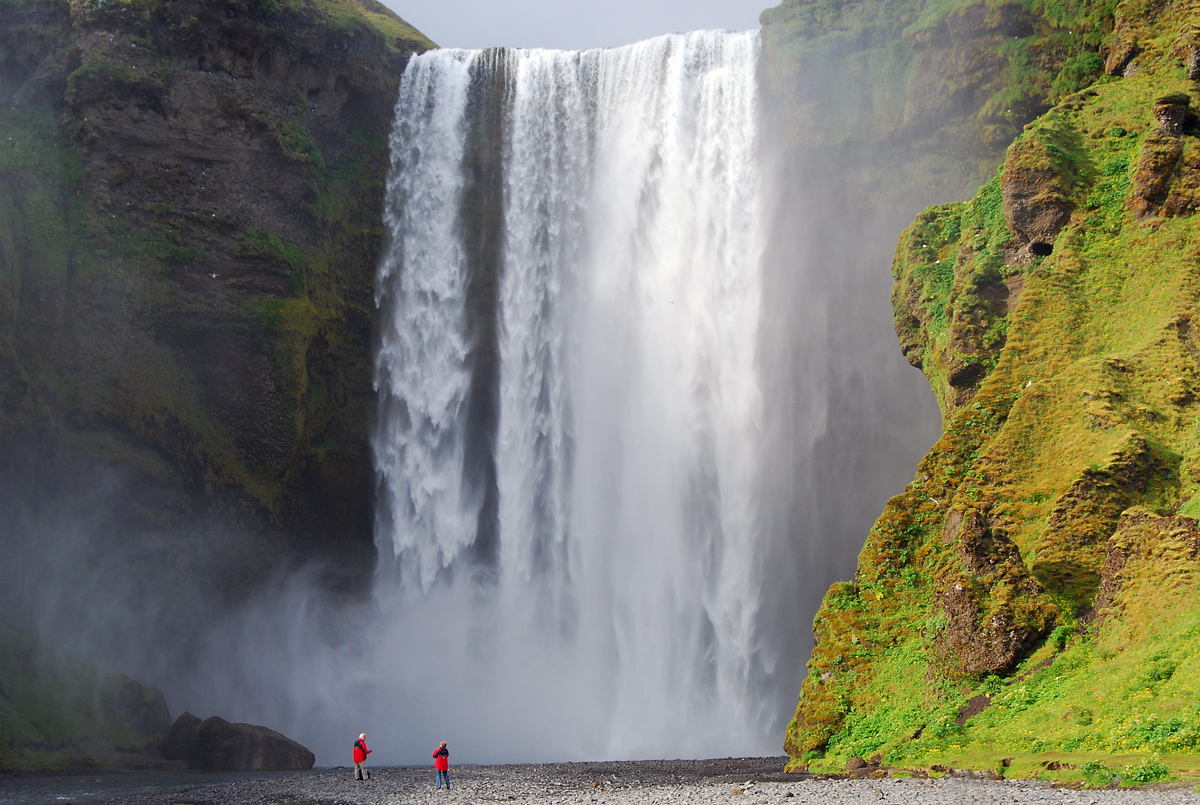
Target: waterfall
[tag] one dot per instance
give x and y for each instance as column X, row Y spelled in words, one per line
column 570, row 401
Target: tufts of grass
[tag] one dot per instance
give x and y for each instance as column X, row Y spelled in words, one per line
column 361, row 15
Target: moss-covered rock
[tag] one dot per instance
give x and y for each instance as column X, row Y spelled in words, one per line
column 1027, row 592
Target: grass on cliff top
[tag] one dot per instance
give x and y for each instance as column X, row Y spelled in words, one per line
column 1094, row 354
column 346, row 15
column 351, row 14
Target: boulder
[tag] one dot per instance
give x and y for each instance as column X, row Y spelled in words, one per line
column 219, row 745
column 1118, row 54
column 1171, row 112
column 179, row 741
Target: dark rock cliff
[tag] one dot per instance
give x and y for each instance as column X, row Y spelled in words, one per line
column 190, row 218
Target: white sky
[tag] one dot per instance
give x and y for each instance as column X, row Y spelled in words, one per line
column 570, row 24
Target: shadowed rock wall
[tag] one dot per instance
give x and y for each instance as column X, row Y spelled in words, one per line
column 190, row 218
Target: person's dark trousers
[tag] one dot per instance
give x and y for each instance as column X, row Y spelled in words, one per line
column 444, row 775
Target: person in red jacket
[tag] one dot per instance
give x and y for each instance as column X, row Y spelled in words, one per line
column 360, row 758
column 441, row 762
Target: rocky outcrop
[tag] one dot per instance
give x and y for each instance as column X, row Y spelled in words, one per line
column 218, row 745
column 1118, row 54
column 1167, row 181
column 143, row 709
column 995, row 610
column 1039, row 181
column 950, row 305
column 1171, row 112
column 179, row 741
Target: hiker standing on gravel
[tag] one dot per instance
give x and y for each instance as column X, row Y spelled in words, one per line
column 360, row 758
column 441, row 762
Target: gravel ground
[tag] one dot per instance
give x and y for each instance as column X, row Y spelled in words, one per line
column 714, row 782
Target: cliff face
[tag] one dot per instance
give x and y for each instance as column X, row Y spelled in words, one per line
column 190, row 217
column 1033, row 588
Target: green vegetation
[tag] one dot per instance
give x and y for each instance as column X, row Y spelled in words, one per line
column 351, row 15
column 56, row 712
column 1027, row 606
column 346, row 16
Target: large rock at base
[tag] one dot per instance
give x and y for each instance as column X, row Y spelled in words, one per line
column 179, row 741
column 218, row 745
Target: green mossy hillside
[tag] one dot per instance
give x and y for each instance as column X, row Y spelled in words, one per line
column 1031, row 596
column 56, row 712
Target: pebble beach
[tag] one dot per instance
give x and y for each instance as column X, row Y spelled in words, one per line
column 709, row 782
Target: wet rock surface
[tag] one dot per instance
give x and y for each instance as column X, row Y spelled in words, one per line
column 745, row 780
column 218, row 745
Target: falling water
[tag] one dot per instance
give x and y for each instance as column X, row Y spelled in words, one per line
column 569, row 399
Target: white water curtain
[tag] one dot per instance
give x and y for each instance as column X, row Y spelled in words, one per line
column 619, row 621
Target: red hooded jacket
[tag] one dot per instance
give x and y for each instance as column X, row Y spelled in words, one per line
column 441, row 759
column 361, row 751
